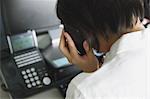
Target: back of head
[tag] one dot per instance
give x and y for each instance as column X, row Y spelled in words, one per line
column 100, row 17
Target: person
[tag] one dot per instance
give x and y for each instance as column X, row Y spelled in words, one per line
column 124, row 72
column 146, row 20
column 147, row 9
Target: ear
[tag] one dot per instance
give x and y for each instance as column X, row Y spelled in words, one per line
column 103, row 44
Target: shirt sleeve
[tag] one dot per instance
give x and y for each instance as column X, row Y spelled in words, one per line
column 73, row 92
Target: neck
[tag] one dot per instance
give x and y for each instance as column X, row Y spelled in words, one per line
column 137, row 27
column 113, row 38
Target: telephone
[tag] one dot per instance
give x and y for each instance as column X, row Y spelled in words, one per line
column 77, row 37
column 25, row 72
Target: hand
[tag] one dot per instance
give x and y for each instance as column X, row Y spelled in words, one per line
column 87, row 63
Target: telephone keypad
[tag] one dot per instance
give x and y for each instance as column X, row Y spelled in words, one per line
column 35, row 77
column 31, row 78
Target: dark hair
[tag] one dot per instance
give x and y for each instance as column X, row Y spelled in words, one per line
column 99, row 16
column 147, row 9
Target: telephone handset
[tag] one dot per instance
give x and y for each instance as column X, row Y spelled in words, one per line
column 25, row 73
column 77, row 37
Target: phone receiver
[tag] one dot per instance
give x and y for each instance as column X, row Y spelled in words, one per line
column 77, row 37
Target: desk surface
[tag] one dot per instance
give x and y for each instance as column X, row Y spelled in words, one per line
column 49, row 94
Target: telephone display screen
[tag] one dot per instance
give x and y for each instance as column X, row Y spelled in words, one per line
column 22, row 41
column 61, row 62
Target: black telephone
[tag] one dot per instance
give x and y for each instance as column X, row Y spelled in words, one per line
column 25, row 72
column 77, row 37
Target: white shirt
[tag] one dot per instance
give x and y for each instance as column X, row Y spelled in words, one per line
column 125, row 73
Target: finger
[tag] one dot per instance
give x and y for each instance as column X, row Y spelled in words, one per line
column 62, row 46
column 62, row 40
column 71, row 45
column 87, row 48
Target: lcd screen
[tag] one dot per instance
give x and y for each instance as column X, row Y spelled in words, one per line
column 61, row 62
column 22, row 41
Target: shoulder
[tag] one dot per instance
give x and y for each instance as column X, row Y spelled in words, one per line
column 74, row 89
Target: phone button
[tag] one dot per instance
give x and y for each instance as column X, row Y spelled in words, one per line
column 34, row 73
column 46, row 80
column 32, row 69
column 27, row 81
column 28, row 71
column 31, row 79
column 23, row 72
column 38, row 82
column 33, row 84
column 30, row 75
column 29, row 85
column 36, row 78
column 25, row 76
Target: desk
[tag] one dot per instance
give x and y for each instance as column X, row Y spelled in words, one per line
column 49, row 94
